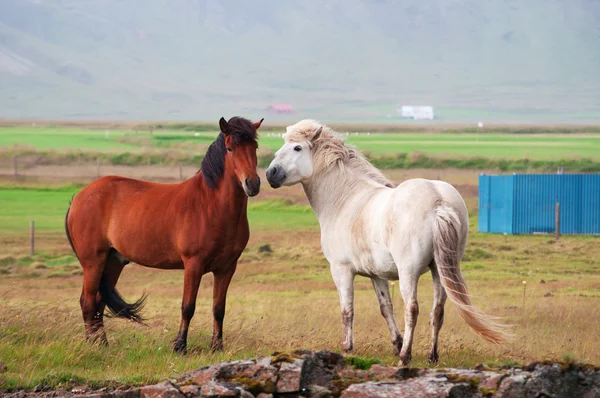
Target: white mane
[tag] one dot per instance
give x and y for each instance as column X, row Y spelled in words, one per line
column 329, row 150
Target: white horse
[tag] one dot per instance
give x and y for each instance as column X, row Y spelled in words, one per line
column 373, row 229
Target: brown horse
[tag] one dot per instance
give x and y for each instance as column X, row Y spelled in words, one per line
column 199, row 225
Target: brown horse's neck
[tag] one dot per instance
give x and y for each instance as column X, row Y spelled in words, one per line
column 228, row 188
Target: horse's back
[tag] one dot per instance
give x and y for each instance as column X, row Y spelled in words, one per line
column 124, row 214
column 424, row 195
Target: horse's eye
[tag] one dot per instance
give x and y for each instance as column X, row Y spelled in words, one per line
column 297, row 148
column 229, row 150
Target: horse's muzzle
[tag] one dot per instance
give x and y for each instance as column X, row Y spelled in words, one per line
column 276, row 176
column 252, row 186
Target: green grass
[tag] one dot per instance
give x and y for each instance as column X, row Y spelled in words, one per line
column 451, row 144
column 45, row 138
column 509, row 146
column 48, row 206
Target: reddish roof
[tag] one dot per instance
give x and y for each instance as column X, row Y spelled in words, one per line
column 282, row 107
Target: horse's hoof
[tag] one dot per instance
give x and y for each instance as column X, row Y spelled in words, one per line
column 98, row 338
column 216, row 346
column 180, row 347
column 404, row 360
column 433, row 358
column 397, row 346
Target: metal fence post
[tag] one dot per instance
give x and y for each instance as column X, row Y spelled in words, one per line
column 31, row 237
column 557, row 220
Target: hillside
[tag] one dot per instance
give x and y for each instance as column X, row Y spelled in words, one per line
column 334, row 59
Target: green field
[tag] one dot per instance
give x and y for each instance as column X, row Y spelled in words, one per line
column 448, row 145
column 48, row 206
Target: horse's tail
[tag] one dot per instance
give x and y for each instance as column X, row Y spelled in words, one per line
column 446, row 252
column 67, row 230
column 113, row 300
column 117, row 306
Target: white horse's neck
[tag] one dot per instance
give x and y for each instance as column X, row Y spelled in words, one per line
column 330, row 191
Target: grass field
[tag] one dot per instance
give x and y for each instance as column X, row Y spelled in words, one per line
column 450, row 144
column 50, row 204
column 279, row 300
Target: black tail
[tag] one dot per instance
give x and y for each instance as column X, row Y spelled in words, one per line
column 119, row 307
column 67, row 231
column 116, row 305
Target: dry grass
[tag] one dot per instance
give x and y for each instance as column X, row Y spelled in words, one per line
column 286, row 300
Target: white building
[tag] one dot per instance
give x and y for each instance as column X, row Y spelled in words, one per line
column 419, row 112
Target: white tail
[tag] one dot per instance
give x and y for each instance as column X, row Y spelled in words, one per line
column 446, row 240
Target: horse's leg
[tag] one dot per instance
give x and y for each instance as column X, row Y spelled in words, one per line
column 92, row 317
column 112, row 271
column 387, row 310
column 437, row 313
column 193, row 271
column 221, row 284
column 408, row 287
column 344, row 282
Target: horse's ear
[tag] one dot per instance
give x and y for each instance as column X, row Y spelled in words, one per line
column 317, row 133
column 257, row 124
column 223, row 125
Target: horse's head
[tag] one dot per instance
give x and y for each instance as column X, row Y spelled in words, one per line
column 293, row 162
column 240, row 157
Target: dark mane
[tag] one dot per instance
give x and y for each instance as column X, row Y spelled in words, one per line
column 213, row 164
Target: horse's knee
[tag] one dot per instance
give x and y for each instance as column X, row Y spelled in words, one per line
column 187, row 310
column 412, row 309
column 219, row 313
column 386, row 309
column 437, row 315
column 347, row 316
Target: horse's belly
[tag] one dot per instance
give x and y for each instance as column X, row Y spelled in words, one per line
column 375, row 263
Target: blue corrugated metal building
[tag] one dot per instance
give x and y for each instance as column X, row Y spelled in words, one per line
column 525, row 203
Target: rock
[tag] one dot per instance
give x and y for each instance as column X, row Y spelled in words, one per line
column 245, row 394
column 79, row 389
column 190, row 390
column 511, row 386
column 325, row 374
column 162, row 390
column 132, row 393
column 265, row 249
column 289, row 377
column 384, row 372
column 315, row 391
column 214, row 389
column 417, row 387
column 201, row 376
column 319, row 369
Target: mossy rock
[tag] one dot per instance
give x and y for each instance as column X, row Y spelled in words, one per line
column 255, row 386
column 284, row 357
column 456, row 378
column 487, row 392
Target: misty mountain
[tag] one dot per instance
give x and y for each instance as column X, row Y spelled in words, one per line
column 330, row 59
